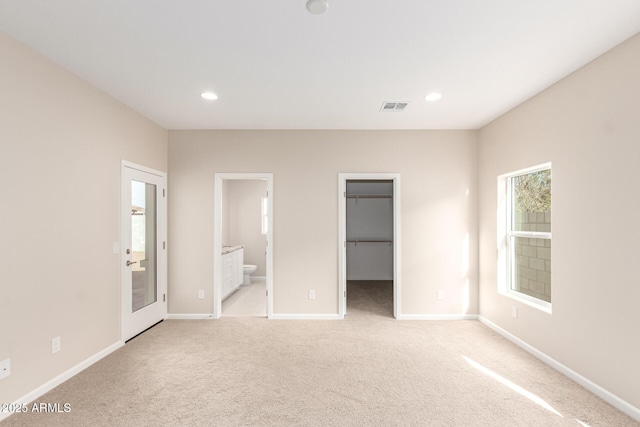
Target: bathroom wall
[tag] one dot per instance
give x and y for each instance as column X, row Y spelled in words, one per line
column 226, row 207
column 244, row 222
column 438, row 203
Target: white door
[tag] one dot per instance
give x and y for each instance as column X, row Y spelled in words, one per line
column 143, row 249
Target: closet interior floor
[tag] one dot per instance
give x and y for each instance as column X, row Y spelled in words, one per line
column 369, row 297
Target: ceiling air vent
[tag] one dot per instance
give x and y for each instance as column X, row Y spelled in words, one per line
column 394, row 106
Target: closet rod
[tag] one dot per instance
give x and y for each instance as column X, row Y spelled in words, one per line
column 369, row 196
column 356, row 241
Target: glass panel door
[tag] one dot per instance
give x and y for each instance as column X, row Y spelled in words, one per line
column 144, row 286
column 144, row 266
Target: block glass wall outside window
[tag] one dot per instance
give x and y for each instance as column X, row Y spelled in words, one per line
column 529, row 234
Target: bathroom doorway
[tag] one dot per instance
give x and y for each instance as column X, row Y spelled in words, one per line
column 243, row 240
column 369, row 250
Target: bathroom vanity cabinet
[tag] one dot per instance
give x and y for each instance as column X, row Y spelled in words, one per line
column 232, row 269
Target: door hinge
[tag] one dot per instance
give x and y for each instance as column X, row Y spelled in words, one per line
column 344, row 194
column 345, row 294
column 164, row 297
column 163, row 193
column 267, row 292
column 164, row 245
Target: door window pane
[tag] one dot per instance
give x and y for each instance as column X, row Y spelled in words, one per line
column 143, row 245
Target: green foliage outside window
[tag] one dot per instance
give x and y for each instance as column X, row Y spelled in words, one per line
column 532, row 192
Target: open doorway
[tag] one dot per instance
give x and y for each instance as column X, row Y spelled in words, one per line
column 369, row 227
column 243, row 242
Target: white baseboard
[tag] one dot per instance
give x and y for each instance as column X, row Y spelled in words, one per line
column 304, row 317
column 437, row 317
column 594, row 388
column 197, row 316
column 50, row 385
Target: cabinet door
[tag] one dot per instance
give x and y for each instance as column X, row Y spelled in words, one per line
column 227, row 274
column 240, row 267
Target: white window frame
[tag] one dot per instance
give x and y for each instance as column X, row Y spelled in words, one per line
column 508, row 234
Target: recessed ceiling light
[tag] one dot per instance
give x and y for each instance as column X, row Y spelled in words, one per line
column 433, row 96
column 209, row 95
column 317, row 7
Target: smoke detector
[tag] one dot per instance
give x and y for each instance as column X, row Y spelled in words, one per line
column 317, row 7
column 393, row 107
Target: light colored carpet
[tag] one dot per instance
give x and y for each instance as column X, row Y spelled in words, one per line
column 368, row 370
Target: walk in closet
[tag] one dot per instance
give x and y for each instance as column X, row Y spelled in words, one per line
column 369, row 229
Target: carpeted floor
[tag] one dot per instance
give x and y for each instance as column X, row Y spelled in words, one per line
column 368, row 370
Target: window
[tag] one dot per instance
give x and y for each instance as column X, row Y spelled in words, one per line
column 528, row 234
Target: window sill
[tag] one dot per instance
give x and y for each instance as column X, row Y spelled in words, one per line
column 530, row 301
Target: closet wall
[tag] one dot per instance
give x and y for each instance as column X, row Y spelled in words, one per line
column 370, row 230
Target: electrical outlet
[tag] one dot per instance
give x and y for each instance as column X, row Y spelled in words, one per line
column 440, row 295
column 514, row 312
column 201, row 294
column 312, row 294
column 56, row 345
column 5, row 368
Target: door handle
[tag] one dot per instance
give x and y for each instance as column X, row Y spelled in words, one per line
column 130, row 263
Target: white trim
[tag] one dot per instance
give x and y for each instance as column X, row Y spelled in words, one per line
column 528, row 300
column 438, row 317
column 594, row 388
column 66, row 375
column 131, row 165
column 190, row 316
column 305, row 317
column 528, row 170
column 342, row 237
column 217, row 238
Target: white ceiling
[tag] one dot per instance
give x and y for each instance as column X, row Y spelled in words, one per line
column 276, row 66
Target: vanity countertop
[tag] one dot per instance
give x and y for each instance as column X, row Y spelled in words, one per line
column 229, row 249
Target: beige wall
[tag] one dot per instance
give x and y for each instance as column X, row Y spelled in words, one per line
column 61, row 143
column 588, row 126
column 438, row 202
column 245, row 216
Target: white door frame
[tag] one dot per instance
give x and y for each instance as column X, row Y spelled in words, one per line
column 342, row 237
column 217, row 238
column 161, row 225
